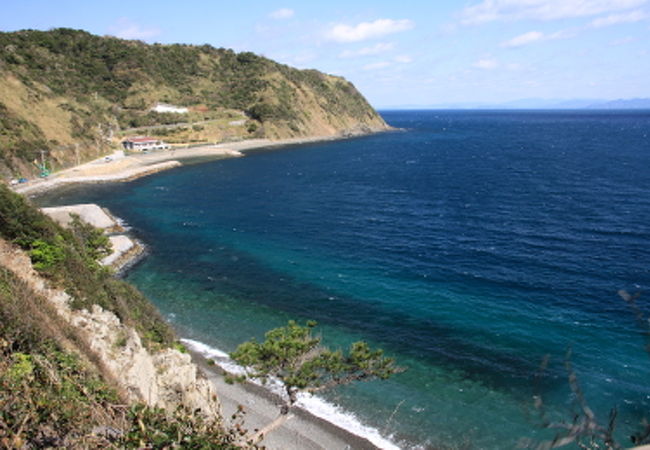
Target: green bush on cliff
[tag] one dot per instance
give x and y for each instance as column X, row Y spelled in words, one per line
column 96, row 244
column 48, row 396
column 46, row 256
column 181, row 429
column 68, row 257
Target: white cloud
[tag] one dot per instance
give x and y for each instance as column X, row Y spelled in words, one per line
column 127, row 29
column 368, row 30
column 282, row 13
column 615, row 19
column 536, row 36
column 486, row 64
column 376, row 49
column 509, row 10
column 524, row 39
column 377, row 65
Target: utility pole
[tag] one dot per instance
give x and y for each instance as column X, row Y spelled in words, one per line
column 44, row 170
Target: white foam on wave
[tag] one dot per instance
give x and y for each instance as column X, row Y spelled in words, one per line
column 314, row 404
column 122, row 223
column 205, row 350
column 344, row 419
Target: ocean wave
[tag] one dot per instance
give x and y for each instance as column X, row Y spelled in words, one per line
column 311, row 403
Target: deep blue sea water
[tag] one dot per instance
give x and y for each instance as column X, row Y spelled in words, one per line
column 468, row 246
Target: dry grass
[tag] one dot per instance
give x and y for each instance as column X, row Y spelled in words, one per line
column 49, row 396
column 52, row 395
column 42, row 109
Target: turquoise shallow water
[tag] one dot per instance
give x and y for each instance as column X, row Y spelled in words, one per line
column 469, row 246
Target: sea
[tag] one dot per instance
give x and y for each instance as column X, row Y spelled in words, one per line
column 483, row 250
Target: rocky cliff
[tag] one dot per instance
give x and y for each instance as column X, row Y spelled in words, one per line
column 166, row 379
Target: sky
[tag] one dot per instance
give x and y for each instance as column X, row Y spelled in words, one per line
column 398, row 53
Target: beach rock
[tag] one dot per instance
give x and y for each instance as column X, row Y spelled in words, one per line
column 122, row 245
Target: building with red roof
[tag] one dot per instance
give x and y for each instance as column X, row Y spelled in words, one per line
column 142, row 143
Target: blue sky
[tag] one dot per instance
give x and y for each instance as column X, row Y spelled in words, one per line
column 399, row 53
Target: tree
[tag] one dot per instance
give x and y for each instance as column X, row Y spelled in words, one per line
column 293, row 355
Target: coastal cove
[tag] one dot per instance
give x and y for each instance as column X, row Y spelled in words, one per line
column 468, row 247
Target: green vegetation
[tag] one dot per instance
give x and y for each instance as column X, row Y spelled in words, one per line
column 294, row 356
column 182, row 429
column 64, row 87
column 19, row 136
column 54, row 392
column 52, row 398
column 68, row 257
column 48, row 396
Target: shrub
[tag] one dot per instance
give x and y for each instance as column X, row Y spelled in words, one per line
column 45, row 255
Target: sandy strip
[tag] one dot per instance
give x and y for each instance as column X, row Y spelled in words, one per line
column 82, row 176
column 137, row 165
column 302, row 431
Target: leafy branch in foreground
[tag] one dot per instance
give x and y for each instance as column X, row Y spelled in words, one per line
column 293, row 355
column 584, row 429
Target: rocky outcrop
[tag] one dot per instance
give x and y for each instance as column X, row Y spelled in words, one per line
column 166, row 379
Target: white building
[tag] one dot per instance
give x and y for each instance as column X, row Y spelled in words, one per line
column 165, row 108
column 144, row 143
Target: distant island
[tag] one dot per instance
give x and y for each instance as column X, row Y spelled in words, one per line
column 538, row 103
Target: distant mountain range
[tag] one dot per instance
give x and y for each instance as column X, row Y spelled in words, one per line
column 536, row 103
column 634, row 103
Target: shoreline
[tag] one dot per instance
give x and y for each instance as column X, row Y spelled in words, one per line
column 112, row 168
column 333, row 428
column 304, row 430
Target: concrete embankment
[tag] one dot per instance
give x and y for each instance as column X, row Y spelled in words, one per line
column 125, row 248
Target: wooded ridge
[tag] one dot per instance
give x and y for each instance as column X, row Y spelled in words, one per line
column 75, row 95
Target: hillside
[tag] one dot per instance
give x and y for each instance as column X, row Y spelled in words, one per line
column 75, row 95
column 85, row 360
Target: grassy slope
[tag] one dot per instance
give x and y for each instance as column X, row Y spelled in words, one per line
column 53, row 390
column 71, row 93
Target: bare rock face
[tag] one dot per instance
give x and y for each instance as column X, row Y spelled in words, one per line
column 179, row 382
column 166, row 379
